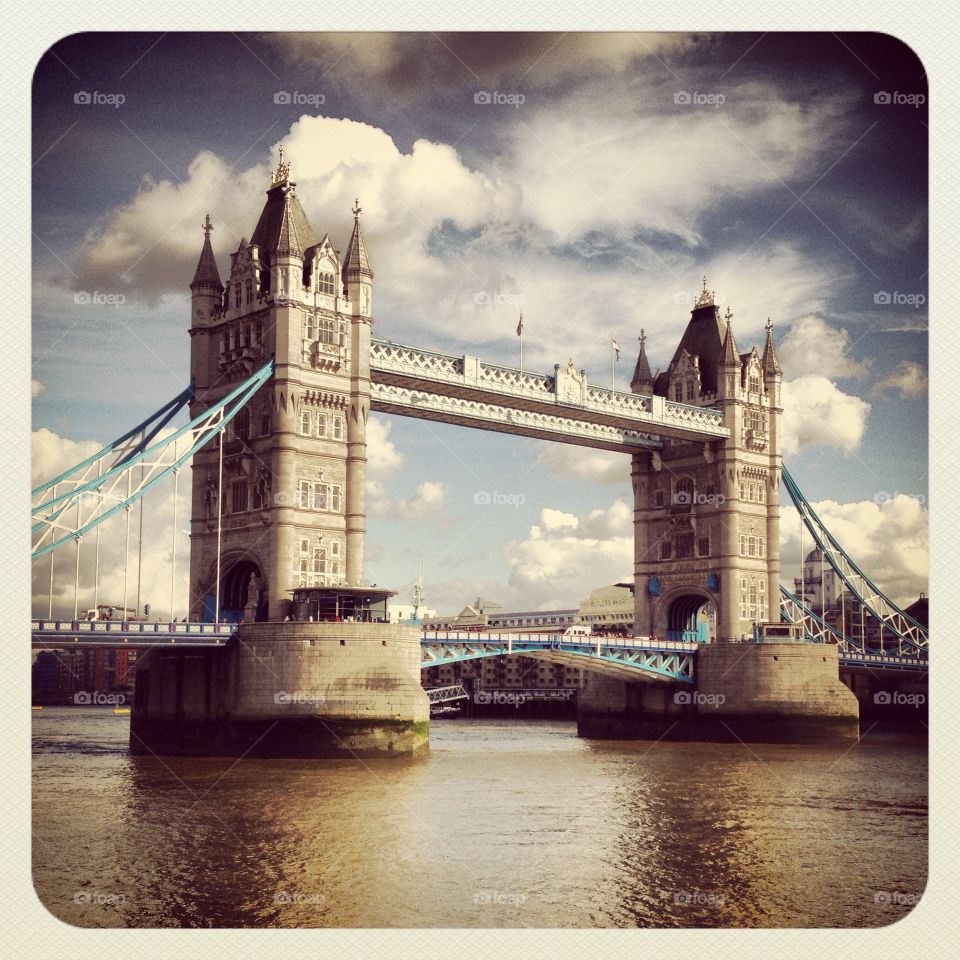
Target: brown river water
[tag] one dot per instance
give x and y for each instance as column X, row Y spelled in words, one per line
column 506, row 824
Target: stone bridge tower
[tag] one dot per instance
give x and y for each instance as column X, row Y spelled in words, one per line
column 294, row 460
column 706, row 515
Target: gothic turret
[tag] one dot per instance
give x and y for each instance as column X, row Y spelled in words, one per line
column 206, row 288
column 357, row 275
column 642, row 381
column 771, row 362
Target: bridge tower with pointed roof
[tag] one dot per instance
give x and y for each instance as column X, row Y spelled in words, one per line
column 706, row 514
column 290, row 509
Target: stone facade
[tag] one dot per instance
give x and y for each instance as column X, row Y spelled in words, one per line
column 293, row 462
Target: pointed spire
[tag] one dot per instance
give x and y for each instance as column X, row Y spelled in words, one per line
column 356, row 263
column 283, row 229
column 771, row 362
column 207, row 272
column 642, row 381
column 728, row 355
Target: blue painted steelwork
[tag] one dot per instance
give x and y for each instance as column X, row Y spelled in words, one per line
column 905, row 628
column 128, row 633
column 667, row 660
column 851, row 653
column 202, row 429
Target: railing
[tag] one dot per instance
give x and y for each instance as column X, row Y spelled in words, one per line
column 130, row 632
column 540, row 639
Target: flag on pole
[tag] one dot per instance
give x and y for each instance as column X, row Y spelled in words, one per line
column 520, row 325
column 616, row 347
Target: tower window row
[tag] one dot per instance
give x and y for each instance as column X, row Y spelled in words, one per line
column 319, row 495
column 316, row 423
column 751, row 546
column 319, row 563
column 753, row 599
column 753, row 491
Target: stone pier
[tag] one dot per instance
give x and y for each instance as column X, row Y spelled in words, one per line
column 286, row 689
column 761, row 693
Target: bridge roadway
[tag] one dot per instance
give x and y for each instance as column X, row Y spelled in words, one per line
column 661, row 660
column 409, row 381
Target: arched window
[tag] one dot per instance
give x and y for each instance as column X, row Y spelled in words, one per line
column 327, row 283
column 683, row 492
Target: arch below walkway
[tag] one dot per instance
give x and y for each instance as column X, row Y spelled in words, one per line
column 690, row 616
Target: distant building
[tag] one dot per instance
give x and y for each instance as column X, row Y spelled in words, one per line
column 400, row 612
column 609, row 609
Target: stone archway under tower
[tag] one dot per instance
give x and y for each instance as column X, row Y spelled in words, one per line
column 687, row 615
column 243, row 592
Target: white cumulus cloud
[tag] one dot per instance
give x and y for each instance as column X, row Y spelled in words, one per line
column 816, row 412
column 907, row 379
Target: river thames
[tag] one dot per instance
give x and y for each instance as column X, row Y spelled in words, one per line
column 505, row 824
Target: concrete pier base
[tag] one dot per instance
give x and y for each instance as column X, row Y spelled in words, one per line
column 760, row 693
column 286, row 690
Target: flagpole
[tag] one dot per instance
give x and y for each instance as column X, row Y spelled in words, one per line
column 521, row 349
column 613, row 369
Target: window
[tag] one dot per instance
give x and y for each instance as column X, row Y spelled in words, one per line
column 249, row 286
column 265, row 421
column 305, row 422
column 665, row 550
column 241, row 425
column 236, row 295
column 744, row 599
column 319, row 496
column 326, row 283
column 327, row 330
column 684, row 545
column 231, row 339
column 321, row 425
column 683, row 493
column 703, row 546
column 303, row 498
column 335, row 497
column 690, row 391
column 257, row 497
column 755, row 384
column 338, row 428
column 223, row 343
column 308, row 328
column 658, row 497
column 238, row 496
column 247, row 336
column 678, row 392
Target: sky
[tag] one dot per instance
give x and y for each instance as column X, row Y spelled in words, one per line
column 589, row 180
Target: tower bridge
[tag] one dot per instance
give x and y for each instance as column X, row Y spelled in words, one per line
column 285, row 371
